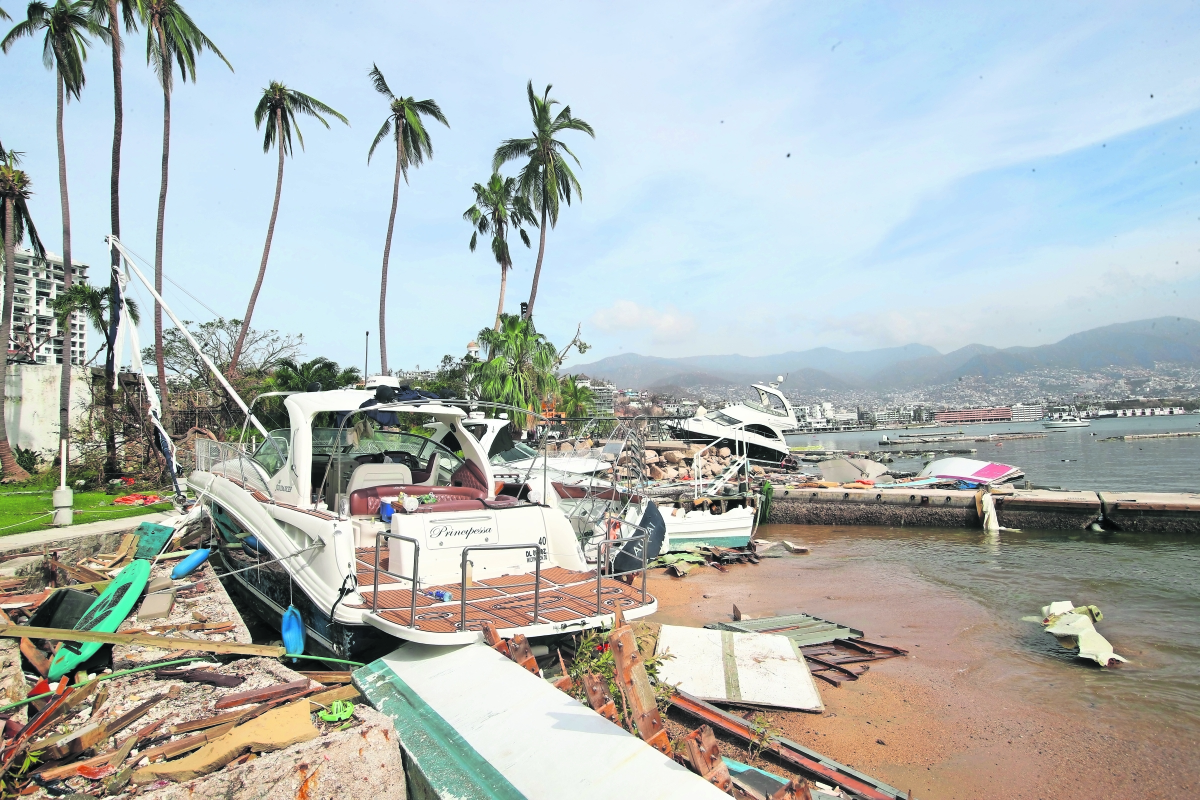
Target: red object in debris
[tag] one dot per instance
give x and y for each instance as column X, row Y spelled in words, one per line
column 138, row 500
column 41, row 687
column 127, row 481
column 96, row 773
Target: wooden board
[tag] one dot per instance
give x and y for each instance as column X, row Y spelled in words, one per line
column 145, row 639
column 752, row 668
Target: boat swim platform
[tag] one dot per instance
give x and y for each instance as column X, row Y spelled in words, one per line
column 1035, row 509
column 472, row 725
column 564, row 598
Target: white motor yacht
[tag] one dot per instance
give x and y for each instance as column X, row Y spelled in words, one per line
column 1066, row 421
column 756, row 429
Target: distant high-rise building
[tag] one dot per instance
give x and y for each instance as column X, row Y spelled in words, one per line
column 35, row 337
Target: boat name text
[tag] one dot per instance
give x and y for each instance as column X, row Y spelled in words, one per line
column 454, row 532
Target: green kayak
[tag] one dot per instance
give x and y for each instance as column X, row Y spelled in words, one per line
column 104, row 615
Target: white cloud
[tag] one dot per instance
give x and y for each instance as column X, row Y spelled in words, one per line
column 625, row 317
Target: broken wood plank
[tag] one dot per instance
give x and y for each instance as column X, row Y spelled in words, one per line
column 327, row 677
column 261, row 695
column 79, row 573
column 94, row 733
column 210, row 722
column 39, row 660
column 208, row 676
column 172, row 749
column 144, row 639
column 326, row 699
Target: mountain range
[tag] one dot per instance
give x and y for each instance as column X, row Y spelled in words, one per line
column 1127, row 344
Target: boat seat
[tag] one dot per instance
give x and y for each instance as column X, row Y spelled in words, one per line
column 463, row 505
column 367, row 475
column 365, row 501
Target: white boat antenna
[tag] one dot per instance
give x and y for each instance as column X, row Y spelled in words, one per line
column 129, row 262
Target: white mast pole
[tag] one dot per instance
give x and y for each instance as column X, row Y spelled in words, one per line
column 129, row 262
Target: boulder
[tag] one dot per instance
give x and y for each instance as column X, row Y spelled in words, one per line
column 566, row 447
column 757, row 470
column 724, row 452
column 656, row 474
column 651, row 454
column 670, row 473
column 672, row 457
column 551, row 447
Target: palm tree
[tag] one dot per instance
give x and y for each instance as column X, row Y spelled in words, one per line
column 291, row 376
column 64, row 48
column 546, row 178
column 15, row 188
column 278, row 108
column 171, row 36
column 498, row 206
column 111, row 13
column 519, row 370
column 94, row 304
column 413, row 146
column 575, row 399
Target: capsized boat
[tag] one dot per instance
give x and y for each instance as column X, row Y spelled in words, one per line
column 971, row 470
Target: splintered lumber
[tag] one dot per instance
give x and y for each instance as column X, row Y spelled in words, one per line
column 36, row 657
column 93, row 733
column 144, row 639
column 208, row 676
column 327, row 677
column 704, row 756
column 172, row 749
column 635, row 686
column 261, row 695
column 80, row 573
column 210, row 722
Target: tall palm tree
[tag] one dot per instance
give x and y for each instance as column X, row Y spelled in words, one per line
column 519, row 370
column 498, row 206
column 413, row 146
column 94, row 304
column 546, row 178
column 171, row 36
column 66, row 26
column 15, row 188
column 111, row 14
column 278, row 108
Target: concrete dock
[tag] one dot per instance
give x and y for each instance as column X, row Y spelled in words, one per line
column 1039, row 509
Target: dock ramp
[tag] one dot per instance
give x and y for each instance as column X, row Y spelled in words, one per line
column 474, row 725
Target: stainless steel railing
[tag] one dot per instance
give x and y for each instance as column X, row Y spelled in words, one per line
column 412, row 579
column 537, row 577
column 602, row 560
column 230, row 461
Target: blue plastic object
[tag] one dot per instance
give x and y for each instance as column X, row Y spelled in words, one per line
column 185, row 567
column 386, row 511
column 293, row 632
column 251, row 546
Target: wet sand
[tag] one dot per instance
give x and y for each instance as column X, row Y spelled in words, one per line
column 960, row 717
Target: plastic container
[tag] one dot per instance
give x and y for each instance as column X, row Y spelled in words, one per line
column 293, row 632
column 386, row 511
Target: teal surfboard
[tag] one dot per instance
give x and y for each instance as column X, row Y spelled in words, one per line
column 104, row 615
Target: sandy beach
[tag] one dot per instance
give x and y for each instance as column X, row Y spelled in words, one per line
column 960, row 717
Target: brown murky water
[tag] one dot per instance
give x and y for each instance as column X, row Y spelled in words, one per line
column 987, row 705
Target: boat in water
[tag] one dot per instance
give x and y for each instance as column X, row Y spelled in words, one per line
column 748, row 428
column 1066, row 421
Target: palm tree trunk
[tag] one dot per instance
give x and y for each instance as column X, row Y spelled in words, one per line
column 12, row 470
column 262, row 267
column 537, row 271
column 387, row 250
column 114, row 210
column 64, row 386
column 158, row 234
column 503, row 281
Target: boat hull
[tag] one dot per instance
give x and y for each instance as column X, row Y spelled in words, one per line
column 731, row 529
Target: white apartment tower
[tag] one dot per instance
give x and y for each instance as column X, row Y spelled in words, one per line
column 35, row 336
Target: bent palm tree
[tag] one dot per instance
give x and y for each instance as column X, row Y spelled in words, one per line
column 64, row 49
column 111, row 13
column 413, row 146
column 94, row 304
column 546, row 178
column 278, row 108
column 575, row 399
column 15, row 188
column 171, row 36
column 520, row 368
column 498, row 207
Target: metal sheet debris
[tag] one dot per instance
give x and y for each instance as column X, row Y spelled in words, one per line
column 1074, row 627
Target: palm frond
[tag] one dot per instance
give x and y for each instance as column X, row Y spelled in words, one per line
column 379, row 137
column 380, row 84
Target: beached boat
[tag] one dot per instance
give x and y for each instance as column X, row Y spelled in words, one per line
column 756, row 429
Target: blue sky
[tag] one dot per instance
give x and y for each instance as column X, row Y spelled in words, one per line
column 996, row 173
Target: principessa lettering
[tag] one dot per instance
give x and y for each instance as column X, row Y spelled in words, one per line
column 455, row 532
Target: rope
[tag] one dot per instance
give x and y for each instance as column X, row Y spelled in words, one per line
column 272, row 561
column 322, row 658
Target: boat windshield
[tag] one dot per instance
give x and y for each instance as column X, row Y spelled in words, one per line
column 723, row 419
column 338, row 452
column 273, row 452
column 518, row 452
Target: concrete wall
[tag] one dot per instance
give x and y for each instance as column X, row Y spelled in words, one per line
column 31, row 413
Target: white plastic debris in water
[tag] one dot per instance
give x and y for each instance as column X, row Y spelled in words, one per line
column 1075, row 627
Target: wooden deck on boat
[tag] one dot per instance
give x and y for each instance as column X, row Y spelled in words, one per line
column 506, row 602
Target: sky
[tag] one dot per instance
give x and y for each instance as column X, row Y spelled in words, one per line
column 765, row 176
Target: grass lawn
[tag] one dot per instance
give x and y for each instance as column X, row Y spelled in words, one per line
column 20, row 513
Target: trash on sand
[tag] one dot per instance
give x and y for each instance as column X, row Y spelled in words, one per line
column 982, row 473
column 759, row 784
column 1074, row 627
column 795, row 548
column 749, row 668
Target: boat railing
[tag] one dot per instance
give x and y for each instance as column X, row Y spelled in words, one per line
column 602, row 557
column 231, row 461
column 412, row 579
column 539, row 554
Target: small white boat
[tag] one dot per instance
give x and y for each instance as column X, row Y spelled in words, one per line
column 1066, row 421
